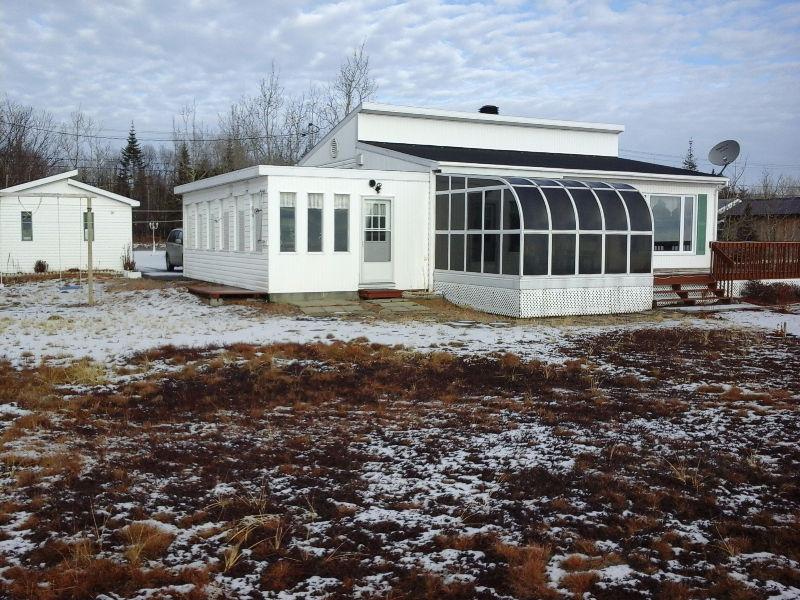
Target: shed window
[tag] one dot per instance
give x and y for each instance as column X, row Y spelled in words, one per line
column 314, row 230
column 341, row 223
column 26, row 217
column 288, row 221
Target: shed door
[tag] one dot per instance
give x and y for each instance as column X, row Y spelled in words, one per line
column 376, row 239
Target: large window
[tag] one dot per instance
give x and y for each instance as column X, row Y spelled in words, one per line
column 341, row 223
column 534, row 227
column 673, row 222
column 288, row 221
column 27, row 225
column 315, row 222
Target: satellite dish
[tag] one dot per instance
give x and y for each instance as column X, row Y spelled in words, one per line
column 724, row 154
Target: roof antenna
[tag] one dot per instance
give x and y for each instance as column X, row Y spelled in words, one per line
column 724, row 154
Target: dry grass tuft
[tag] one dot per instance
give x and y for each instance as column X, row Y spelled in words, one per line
column 145, row 541
column 526, row 575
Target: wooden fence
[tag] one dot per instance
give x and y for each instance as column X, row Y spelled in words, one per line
column 743, row 261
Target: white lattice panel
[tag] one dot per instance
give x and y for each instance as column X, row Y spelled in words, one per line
column 498, row 301
column 548, row 302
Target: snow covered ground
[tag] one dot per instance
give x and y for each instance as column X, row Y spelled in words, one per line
column 147, row 260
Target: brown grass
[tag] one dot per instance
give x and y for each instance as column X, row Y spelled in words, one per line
column 145, row 541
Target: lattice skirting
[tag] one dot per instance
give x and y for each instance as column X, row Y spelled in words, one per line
column 738, row 286
column 548, row 302
column 700, row 294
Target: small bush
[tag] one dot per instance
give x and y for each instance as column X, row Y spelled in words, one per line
column 41, row 266
column 128, row 263
column 771, row 293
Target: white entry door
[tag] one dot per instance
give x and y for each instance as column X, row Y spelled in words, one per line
column 376, row 243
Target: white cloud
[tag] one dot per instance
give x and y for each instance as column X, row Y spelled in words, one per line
column 667, row 70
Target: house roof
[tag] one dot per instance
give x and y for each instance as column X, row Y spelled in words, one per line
column 68, row 175
column 789, row 206
column 549, row 160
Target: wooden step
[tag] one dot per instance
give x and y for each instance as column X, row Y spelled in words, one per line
column 378, row 294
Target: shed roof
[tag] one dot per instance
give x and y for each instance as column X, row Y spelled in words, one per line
column 789, row 206
column 28, row 187
column 550, row 160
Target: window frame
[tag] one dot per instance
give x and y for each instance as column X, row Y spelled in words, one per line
column 285, row 197
column 342, row 199
column 682, row 216
column 314, row 196
column 22, row 224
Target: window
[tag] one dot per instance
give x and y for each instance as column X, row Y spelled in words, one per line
column 315, row 222
column 590, row 256
column 561, row 211
column 226, row 230
column 491, row 253
column 640, row 253
column 535, row 257
column 474, row 252
column 491, row 209
column 510, row 254
column 563, row 260
column 613, row 210
column 673, row 223
column 474, row 206
column 457, row 211
column 442, row 212
column 441, row 251
column 588, row 211
column 287, row 222
column 240, row 230
column 457, row 252
column 341, row 223
column 534, row 213
column 88, row 219
column 510, row 211
column 27, row 225
column 616, row 253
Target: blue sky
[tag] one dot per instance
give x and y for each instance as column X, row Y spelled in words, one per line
column 668, row 71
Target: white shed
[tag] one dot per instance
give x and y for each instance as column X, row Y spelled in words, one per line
column 46, row 220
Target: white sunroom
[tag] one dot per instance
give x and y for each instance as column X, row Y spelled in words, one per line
column 541, row 247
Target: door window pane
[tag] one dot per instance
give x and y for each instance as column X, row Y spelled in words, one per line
column 534, row 213
column 511, row 253
column 641, row 254
column 688, row 223
column 341, row 223
column 474, row 209
column 442, row 212
column 491, row 209
column 457, row 211
column 535, row 254
column 563, row 254
column 457, row 252
column 440, row 258
column 666, row 222
column 561, row 212
column 588, row 210
column 616, row 253
column 590, row 256
column 613, row 210
column 510, row 211
column 474, row 253
column 491, row 253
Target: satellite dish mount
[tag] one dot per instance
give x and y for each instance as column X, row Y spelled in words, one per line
column 724, row 154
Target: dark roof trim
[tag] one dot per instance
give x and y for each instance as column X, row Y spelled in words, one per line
column 548, row 160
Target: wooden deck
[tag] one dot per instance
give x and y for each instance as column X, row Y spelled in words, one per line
column 221, row 292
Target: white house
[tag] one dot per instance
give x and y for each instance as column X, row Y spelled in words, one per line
column 47, row 220
column 516, row 216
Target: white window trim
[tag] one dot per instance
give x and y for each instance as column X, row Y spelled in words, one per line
column 683, row 197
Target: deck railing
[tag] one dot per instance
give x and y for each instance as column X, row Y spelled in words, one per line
column 738, row 261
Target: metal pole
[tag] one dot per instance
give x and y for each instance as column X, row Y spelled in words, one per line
column 89, row 236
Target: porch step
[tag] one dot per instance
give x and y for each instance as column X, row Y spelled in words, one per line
column 379, row 294
column 686, row 290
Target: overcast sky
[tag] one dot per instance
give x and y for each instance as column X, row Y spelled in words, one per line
column 667, row 70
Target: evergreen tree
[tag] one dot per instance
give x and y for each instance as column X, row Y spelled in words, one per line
column 183, row 170
column 689, row 161
column 130, row 170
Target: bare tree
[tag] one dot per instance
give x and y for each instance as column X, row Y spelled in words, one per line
column 352, row 85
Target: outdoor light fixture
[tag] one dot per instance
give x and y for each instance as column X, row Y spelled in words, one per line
column 375, row 185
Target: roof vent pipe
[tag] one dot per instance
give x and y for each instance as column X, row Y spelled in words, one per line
column 489, row 109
